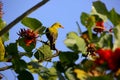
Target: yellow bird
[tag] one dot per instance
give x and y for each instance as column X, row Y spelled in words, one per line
column 52, row 34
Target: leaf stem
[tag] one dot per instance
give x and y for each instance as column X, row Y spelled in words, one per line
column 9, row 26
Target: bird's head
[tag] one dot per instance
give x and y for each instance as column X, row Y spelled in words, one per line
column 58, row 25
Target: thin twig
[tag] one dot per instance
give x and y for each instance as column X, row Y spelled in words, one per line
column 43, row 42
column 9, row 26
column 5, row 68
column 79, row 29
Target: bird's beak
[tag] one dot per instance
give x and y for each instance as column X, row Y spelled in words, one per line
column 62, row 27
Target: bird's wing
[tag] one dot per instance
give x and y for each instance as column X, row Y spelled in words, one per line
column 51, row 35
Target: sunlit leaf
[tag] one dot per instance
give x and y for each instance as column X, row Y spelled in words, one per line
column 40, row 78
column 87, row 20
column 100, row 7
column 49, row 74
column 43, row 52
column 81, row 75
column 106, row 41
column 2, row 23
column 53, row 74
column 5, row 37
column 70, row 74
column 114, row 17
column 102, row 16
column 75, row 42
column 31, row 23
column 2, row 50
column 25, row 75
column 68, row 58
column 117, row 37
column 52, row 71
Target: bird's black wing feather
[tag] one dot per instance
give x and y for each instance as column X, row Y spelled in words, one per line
column 51, row 37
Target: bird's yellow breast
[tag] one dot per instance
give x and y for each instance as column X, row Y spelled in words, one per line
column 53, row 30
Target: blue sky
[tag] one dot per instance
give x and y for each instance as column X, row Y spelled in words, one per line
column 67, row 12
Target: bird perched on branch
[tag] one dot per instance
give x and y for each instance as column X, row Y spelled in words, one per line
column 52, row 34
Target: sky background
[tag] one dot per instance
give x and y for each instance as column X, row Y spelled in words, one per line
column 67, row 12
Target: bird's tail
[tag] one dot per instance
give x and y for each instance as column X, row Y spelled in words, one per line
column 52, row 46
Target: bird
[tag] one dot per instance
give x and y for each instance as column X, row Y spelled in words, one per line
column 52, row 34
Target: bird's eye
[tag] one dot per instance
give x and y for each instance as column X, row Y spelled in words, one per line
column 59, row 25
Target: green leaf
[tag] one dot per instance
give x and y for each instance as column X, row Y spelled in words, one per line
column 102, row 16
column 106, row 41
column 80, row 74
column 87, row 20
column 19, row 65
column 41, row 29
column 2, row 50
column 75, row 42
column 2, row 23
column 5, row 37
column 59, row 66
column 25, row 75
column 49, row 74
column 116, row 31
column 100, row 7
column 68, row 58
column 31, row 23
column 69, row 74
column 53, row 73
column 34, row 64
column 38, row 55
column 35, row 67
column 87, row 64
column 12, row 49
column 22, row 43
column 114, row 17
column 84, row 17
column 43, row 52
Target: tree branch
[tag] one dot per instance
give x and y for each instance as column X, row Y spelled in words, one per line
column 9, row 26
column 5, row 68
